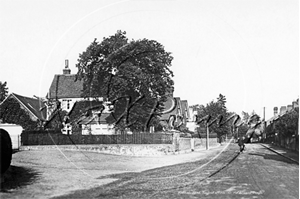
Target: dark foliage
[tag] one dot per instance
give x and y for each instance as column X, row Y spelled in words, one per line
column 11, row 112
column 134, row 75
column 214, row 109
column 287, row 125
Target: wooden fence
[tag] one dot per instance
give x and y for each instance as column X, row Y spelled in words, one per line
column 57, row 138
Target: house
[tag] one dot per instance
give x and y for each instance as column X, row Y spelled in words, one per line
column 282, row 111
column 66, row 89
column 177, row 107
column 28, row 112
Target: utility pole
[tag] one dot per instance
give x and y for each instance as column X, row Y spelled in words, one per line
column 264, row 136
column 207, row 136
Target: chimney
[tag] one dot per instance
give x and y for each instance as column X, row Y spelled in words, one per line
column 289, row 107
column 295, row 104
column 66, row 70
column 282, row 110
column 275, row 111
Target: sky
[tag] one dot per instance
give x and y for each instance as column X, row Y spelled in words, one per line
column 247, row 50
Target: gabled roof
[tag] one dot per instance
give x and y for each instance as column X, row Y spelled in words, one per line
column 175, row 106
column 35, row 106
column 65, row 86
column 178, row 105
column 169, row 108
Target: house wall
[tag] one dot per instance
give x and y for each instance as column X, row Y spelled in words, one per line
column 97, row 129
column 191, row 126
column 68, row 103
column 193, row 114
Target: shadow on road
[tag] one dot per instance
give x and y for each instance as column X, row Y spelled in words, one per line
column 17, row 177
column 274, row 157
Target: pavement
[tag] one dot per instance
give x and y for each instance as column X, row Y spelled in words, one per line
column 289, row 154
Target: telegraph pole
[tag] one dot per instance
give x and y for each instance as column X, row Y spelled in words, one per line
column 207, row 136
column 264, row 126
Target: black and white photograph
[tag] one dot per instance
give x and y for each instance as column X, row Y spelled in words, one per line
column 149, row 99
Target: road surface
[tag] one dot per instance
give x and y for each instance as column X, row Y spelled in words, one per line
column 255, row 173
column 217, row 173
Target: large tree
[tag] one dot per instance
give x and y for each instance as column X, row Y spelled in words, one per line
column 132, row 74
column 245, row 117
column 215, row 109
column 222, row 101
column 3, row 91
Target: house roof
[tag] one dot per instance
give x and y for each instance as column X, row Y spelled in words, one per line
column 35, row 106
column 82, row 107
column 81, row 112
column 65, row 86
column 169, row 108
column 95, row 120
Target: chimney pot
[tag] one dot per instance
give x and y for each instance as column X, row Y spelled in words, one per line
column 66, row 63
column 282, row 110
column 289, row 107
column 275, row 111
column 66, row 70
column 295, row 104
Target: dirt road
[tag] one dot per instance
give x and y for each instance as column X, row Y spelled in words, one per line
column 255, row 173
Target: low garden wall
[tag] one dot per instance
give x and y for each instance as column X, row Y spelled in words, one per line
column 117, row 149
column 130, row 149
column 185, row 143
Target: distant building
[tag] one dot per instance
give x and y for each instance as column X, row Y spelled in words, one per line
column 283, row 110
